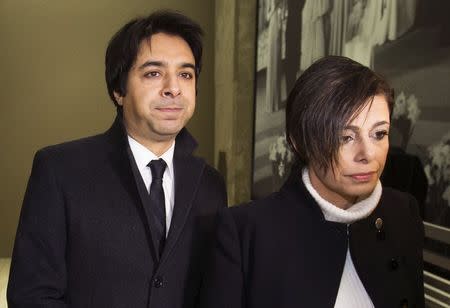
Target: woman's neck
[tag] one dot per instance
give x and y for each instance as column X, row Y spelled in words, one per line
column 356, row 211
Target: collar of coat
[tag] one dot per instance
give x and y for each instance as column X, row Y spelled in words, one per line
column 294, row 189
column 185, row 143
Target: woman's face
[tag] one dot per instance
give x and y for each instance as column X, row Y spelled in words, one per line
column 361, row 158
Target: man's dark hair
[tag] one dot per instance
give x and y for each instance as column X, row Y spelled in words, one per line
column 325, row 98
column 124, row 45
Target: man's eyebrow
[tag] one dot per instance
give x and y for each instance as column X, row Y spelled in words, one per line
column 152, row 63
column 188, row 65
column 356, row 128
column 163, row 64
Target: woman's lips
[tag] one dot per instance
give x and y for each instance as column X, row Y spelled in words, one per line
column 362, row 177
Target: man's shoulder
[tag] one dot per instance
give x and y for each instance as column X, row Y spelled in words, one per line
column 74, row 150
column 73, row 146
column 211, row 179
column 209, row 171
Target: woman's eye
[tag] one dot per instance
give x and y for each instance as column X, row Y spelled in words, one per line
column 381, row 134
column 346, row 139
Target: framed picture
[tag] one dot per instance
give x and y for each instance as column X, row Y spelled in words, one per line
column 408, row 42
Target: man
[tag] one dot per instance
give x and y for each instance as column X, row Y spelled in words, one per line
column 123, row 219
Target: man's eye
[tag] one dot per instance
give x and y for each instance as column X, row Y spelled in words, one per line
column 186, row 75
column 152, row 74
column 381, row 134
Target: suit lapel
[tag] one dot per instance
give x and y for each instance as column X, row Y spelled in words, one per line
column 188, row 171
column 122, row 164
column 146, row 206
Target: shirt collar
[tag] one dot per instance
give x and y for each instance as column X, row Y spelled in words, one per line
column 143, row 156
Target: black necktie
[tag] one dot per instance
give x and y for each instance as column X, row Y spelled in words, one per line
column 157, row 201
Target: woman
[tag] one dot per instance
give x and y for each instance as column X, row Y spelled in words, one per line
column 332, row 236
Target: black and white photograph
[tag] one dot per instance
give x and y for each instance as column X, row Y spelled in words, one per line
column 406, row 41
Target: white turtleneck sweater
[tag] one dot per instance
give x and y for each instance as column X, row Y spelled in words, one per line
column 351, row 290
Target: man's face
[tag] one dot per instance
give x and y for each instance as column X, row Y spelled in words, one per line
column 160, row 97
column 361, row 159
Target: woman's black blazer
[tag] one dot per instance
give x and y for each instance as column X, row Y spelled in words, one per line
column 280, row 252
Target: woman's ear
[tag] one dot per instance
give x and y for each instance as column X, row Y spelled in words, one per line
column 118, row 98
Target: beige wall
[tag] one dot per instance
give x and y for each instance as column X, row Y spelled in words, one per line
column 52, row 84
column 234, row 79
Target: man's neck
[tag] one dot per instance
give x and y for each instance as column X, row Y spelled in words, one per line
column 157, row 147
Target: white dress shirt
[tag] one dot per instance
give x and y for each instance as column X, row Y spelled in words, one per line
column 143, row 156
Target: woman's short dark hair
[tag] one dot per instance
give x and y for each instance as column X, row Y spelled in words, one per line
column 325, row 98
column 124, row 45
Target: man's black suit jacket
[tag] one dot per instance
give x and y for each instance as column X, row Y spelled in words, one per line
column 281, row 252
column 85, row 233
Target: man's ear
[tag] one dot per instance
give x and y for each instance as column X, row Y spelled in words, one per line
column 118, row 98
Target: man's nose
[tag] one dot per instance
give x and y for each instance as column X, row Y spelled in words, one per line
column 171, row 87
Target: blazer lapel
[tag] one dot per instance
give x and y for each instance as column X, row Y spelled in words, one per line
column 146, row 206
column 188, row 170
column 122, row 164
